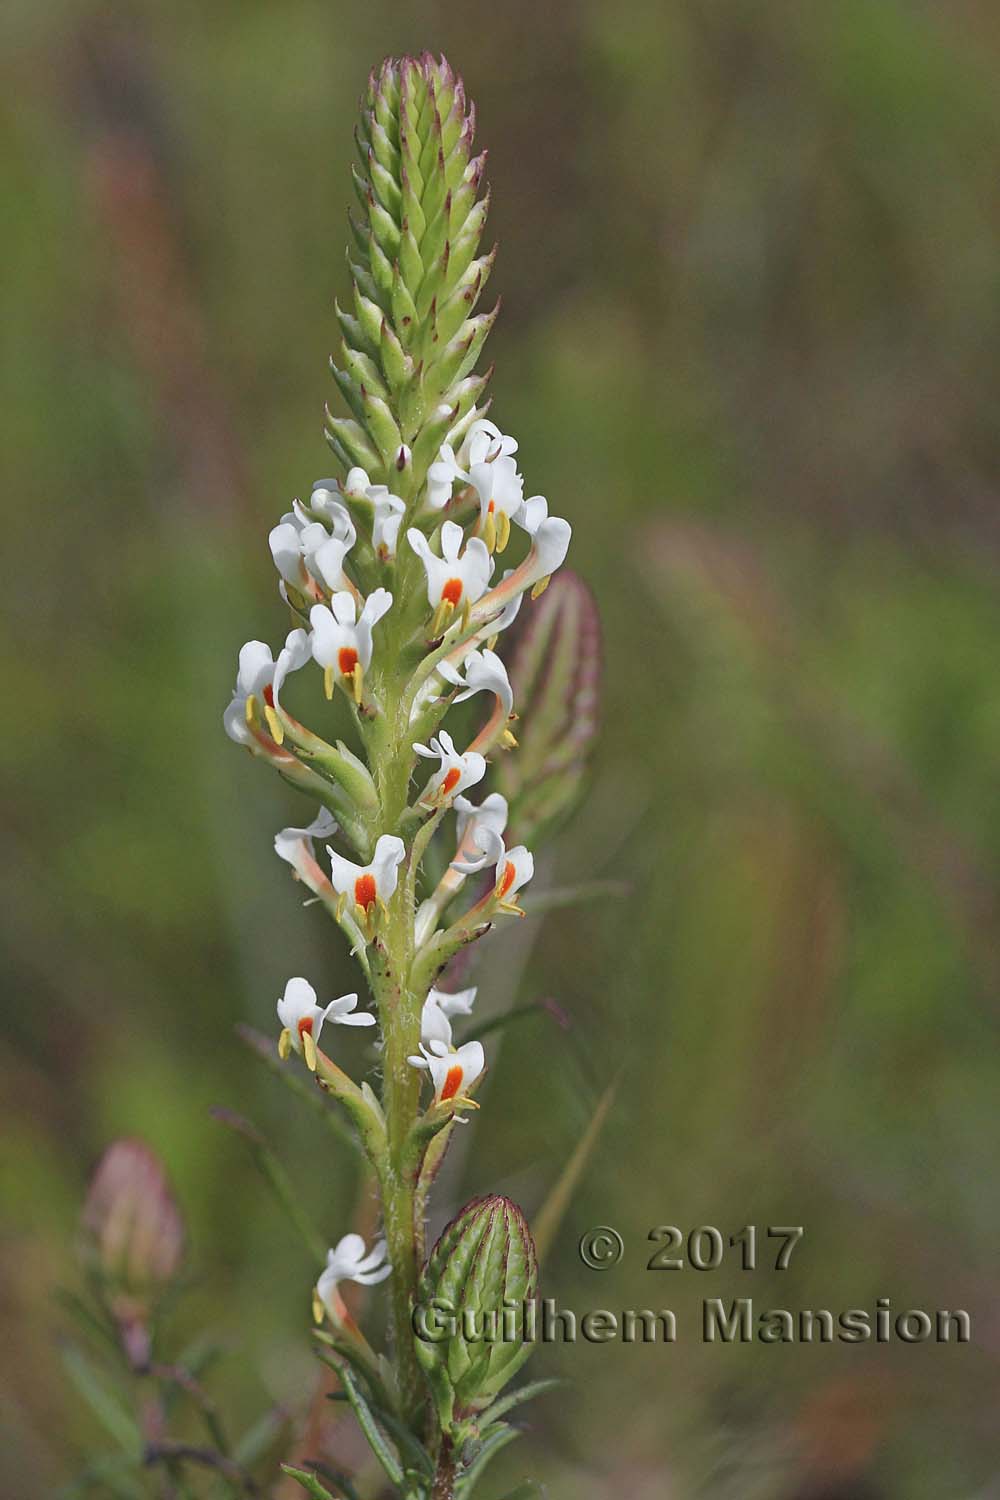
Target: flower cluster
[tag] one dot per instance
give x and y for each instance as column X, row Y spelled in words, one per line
column 343, row 579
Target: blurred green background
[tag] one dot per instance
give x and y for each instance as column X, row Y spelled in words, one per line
column 749, row 346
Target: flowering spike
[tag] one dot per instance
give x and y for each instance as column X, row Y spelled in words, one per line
column 396, row 578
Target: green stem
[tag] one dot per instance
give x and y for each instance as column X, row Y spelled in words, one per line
column 399, row 1008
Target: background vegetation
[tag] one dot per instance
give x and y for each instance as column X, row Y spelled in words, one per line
column 750, row 341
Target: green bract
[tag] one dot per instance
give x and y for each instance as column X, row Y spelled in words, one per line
column 471, row 1318
column 414, row 336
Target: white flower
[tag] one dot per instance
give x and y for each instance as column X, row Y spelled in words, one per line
column 514, row 867
column 441, row 477
column 388, row 515
column 439, row 1007
column 457, row 772
column 470, row 820
column 295, row 847
column 501, row 497
column 301, row 1017
column 387, row 510
column 306, row 554
column 474, row 825
column 484, row 673
column 367, row 885
column 349, row 1261
column 452, row 1070
column 357, row 484
column 341, row 640
column 327, row 500
column 452, row 580
column 549, row 546
column 533, row 513
column 484, row 442
column 259, row 679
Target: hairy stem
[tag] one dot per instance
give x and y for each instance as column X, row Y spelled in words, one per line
column 399, row 1010
column 444, row 1475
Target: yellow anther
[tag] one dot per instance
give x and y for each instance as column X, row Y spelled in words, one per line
column 250, row 710
column 341, row 905
column 358, row 680
column 508, row 741
column 274, row 725
column 466, row 615
column 489, row 532
column 540, row 586
column 319, row 1311
column 491, row 644
column 284, row 1043
column 442, row 618
column 309, row 1050
column 328, row 681
column 503, row 530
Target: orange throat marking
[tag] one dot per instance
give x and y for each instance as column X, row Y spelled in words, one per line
column 452, row 591
column 452, row 1083
column 364, row 891
column 305, row 1026
column 347, row 660
column 506, row 879
column 452, row 779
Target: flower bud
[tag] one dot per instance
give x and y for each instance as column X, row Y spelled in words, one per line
column 411, row 343
column 554, row 663
column 473, row 1317
column 132, row 1233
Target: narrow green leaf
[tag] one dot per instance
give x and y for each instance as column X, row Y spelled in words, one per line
column 552, row 1212
column 517, row 1398
column 259, row 1437
column 308, row 1481
column 109, row 1410
column 293, row 1079
column 277, row 1179
column 369, row 1426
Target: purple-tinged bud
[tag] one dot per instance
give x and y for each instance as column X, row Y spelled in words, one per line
column 131, row 1231
column 554, row 663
